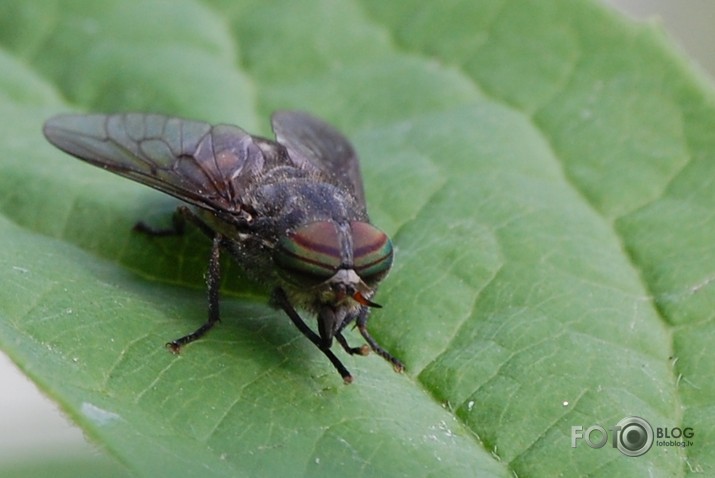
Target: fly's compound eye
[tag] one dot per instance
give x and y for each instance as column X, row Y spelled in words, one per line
column 372, row 251
column 310, row 255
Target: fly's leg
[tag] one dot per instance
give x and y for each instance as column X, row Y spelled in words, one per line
column 213, row 278
column 362, row 350
column 280, row 299
column 178, row 224
column 213, row 275
column 362, row 327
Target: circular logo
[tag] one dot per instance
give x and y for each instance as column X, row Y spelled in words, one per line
column 634, row 436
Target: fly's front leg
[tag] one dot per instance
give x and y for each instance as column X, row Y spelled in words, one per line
column 362, row 327
column 281, row 300
column 362, row 350
column 213, row 280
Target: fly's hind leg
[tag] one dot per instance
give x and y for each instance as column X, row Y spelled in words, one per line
column 177, row 228
column 181, row 216
column 213, row 275
column 213, row 279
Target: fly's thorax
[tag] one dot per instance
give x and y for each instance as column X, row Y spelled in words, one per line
column 335, row 262
column 286, row 198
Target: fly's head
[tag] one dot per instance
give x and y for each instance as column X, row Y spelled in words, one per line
column 333, row 268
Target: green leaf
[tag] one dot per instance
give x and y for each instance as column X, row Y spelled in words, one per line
column 544, row 168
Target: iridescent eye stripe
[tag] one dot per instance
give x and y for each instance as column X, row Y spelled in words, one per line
column 306, row 261
column 372, row 251
column 312, row 248
column 309, row 243
column 371, row 248
column 381, row 263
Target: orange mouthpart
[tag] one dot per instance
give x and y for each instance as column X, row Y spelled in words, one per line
column 362, row 300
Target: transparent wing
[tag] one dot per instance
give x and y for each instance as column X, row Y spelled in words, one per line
column 315, row 143
column 199, row 163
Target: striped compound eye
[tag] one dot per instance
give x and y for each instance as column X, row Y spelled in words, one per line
column 372, row 251
column 315, row 252
column 310, row 255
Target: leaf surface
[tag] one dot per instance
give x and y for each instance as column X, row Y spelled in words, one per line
column 546, row 173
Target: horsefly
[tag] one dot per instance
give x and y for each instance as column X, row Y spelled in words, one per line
column 291, row 212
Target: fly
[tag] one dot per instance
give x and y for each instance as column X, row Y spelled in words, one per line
column 291, row 212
